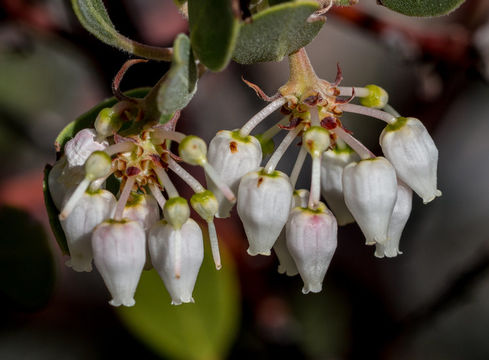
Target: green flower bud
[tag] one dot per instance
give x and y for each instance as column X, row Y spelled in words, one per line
column 176, row 212
column 316, row 140
column 193, row 150
column 377, row 97
column 107, row 122
column 98, row 165
column 205, row 204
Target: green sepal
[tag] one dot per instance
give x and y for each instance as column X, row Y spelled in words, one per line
column 425, row 8
column 214, row 29
column 267, row 146
column 53, row 213
column 399, row 123
column 177, row 87
column 276, row 32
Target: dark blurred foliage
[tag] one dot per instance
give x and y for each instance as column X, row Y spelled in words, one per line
column 432, row 302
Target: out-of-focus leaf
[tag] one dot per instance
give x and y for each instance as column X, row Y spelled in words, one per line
column 174, row 91
column 422, row 8
column 53, row 213
column 87, row 119
column 345, row 2
column 276, row 32
column 26, row 263
column 204, row 330
column 214, row 29
column 93, row 16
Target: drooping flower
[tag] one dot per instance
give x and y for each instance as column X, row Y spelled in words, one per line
column 85, row 142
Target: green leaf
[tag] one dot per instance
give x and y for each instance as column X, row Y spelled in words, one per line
column 26, row 264
column 214, row 29
column 277, row 32
column 174, row 91
column 422, row 7
column 88, row 118
column 53, row 213
column 204, row 330
column 345, row 2
column 93, row 16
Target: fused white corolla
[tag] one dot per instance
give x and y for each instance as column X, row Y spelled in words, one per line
column 91, row 210
column 286, row 262
column 232, row 156
column 399, row 218
column 263, row 206
column 370, row 190
column 119, row 252
column 311, row 239
column 172, row 249
column 62, row 180
column 411, row 150
column 332, row 164
column 78, row 149
column 142, row 208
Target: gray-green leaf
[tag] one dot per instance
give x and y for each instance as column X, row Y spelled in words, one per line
column 214, row 29
column 93, row 16
column 422, row 7
column 276, row 32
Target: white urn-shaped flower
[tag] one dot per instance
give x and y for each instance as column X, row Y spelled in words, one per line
column 119, row 253
column 85, row 142
column 311, row 239
column 232, row 156
column 411, row 150
column 91, row 210
column 177, row 256
column 263, row 205
column 370, row 190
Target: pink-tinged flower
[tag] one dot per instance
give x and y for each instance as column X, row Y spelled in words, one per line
column 370, row 190
column 263, row 205
column 311, row 239
column 411, row 150
column 232, row 156
column 177, row 256
column 62, row 181
column 119, row 252
column 91, row 210
column 85, row 142
column 398, row 221
column 332, row 164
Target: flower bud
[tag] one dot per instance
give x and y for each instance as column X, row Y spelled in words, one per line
column 410, row 148
column 193, row 150
column 316, row 140
column 176, row 211
column 119, row 252
column 370, row 190
column 311, row 237
column 231, row 156
column 398, row 221
column 263, row 206
column 168, row 246
column 205, row 204
column 377, row 97
column 332, row 165
column 98, row 165
column 91, row 210
column 78, row 149
column 107, row 122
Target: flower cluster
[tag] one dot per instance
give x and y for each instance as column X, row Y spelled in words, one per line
column 128, row 233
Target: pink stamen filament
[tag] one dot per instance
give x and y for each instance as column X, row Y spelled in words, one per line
column 165, row 181
column 348, row 91
column 74, row 198
column 299, row 162
column 126, row 191
column 363, row 110
column 160, row 199
column 356, row 145
column 214, row 244
column 121, row 147
column 315, row 193
column 185, row 176
column 262, row 115
column 214, row 176
column 282, row 148
column 160, row 135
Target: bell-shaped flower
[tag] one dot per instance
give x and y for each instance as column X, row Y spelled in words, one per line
column 311, row 239
column 85, row 142
column 332, row 164
column 62, row 181
column 411, row 150
column 263, row 205
column 370, row 190
column 232, row 156
column 177, row 256
column 399, row 218
column 119, row 252
column 91, row 210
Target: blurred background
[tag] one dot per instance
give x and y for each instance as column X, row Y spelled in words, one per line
column 431, row 302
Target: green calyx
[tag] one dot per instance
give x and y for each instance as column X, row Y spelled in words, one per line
column 238, row 137
column 267, row 145
column 205, row 204
column 176, row 211
column 273, row 174
column 377, row 97
column 399, row 123
column 321, row 209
